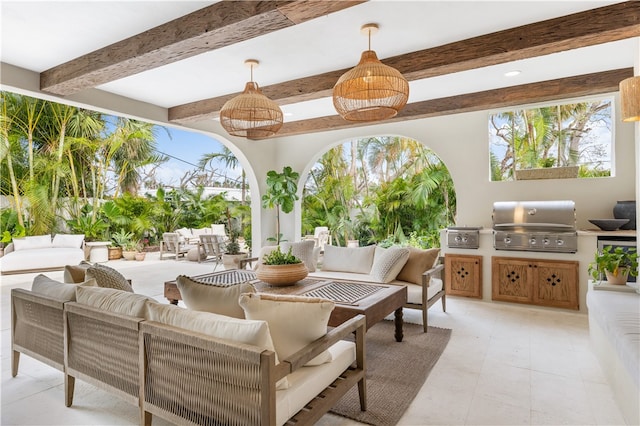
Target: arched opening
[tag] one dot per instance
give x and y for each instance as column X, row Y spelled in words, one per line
column 385, row 189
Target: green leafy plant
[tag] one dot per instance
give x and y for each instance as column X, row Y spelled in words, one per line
column 232, row 246
column 277, row 257
column 10, row 226
column 132, row 245
column 121, row 238
column 614, row 260
column 281, row 193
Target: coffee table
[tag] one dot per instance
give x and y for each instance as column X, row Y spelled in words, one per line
column 375, row 301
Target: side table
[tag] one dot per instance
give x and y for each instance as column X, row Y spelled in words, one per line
column 98, row 251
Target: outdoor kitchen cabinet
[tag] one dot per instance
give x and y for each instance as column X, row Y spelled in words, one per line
column 463, row 275
column 543, row 282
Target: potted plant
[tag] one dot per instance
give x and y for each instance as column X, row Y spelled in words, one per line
column 281, row 194
column 615, row 263
column 232, row 256
column 119, row 240
column 281, row 269
column 130, row 248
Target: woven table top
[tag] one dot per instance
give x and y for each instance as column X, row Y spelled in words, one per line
column 344, row 293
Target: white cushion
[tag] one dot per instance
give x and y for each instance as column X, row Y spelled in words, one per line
column 200, row 231
column 33, row 242
column 307, row 382
column 40, row 259
column 68, row 240
column 184, row 232
column 251, row 332
column 217, row 299
column 218, row 229
column 348, row 259
column 303, row 250
column 294, row 321
column 414, row 291
column 62, row 291
column 112, row 300
column 387, row 263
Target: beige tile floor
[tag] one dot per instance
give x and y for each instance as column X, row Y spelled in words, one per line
column 505, row 365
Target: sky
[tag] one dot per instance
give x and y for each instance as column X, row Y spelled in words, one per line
column 185, row 150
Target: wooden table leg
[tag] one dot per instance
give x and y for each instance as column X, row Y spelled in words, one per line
column 399, row 322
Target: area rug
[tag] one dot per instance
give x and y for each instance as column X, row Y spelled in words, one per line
column 395, row 372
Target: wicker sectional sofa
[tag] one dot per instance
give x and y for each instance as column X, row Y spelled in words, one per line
column 182, row 375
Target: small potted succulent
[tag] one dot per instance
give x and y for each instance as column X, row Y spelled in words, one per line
column 280, row 269
column 614, row 263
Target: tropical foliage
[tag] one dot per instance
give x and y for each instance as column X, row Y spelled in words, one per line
column 561, row 135
column 382, row 188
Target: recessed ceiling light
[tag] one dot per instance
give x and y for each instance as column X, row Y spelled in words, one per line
column 512, row 73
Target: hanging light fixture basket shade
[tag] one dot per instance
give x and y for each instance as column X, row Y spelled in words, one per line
column 251, row 114
column 371, row 91
column 630, row 98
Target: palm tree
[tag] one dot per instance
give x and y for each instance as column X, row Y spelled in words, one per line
column 230, row 161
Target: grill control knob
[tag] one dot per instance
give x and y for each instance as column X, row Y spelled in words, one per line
column 546, row 241
column 464, row 238
column 458, row 239
column 560, row 242
column 533, row 241
column 507, row 240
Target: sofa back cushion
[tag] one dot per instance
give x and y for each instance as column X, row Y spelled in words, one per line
column 185, row 233
column 419, row 261
column 61, row 291
column 108, row 277
column 68, row 240
column 250, row 332
column 348, row 259
column 294, row 321
column 388, row 262
column 33, row 242
column 115, row 301
column 303, row 250
column 218, row 299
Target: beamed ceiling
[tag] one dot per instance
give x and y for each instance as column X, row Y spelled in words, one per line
column 187, row 56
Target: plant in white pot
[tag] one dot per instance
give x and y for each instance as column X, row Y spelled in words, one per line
column 232, row 256
column 281, row 269
column 614, row 263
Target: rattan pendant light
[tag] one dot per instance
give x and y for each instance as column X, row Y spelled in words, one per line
column 251, row 114
column 630, row 98
column 372, row 90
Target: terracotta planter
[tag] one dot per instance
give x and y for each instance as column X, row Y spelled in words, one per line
column 281, row 275
column 128, row 255
column 232, row 261
column 620, row 279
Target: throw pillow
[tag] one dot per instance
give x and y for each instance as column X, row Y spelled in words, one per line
column 32, row 242
column 294, row 321
column 215, row 298
column 68, row 240
column 76, row 273
column 419, row 261
column 108, row 277
column 61, row 291
column 303, row 250
column 388, row 262
column 112, row 300
column 348, row 259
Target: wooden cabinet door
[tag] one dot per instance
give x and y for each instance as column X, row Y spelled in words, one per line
column 555, row 283
column 511, row 279
column 463, row 275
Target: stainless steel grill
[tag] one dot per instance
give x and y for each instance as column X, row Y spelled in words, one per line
column 548, row 226
column 467, row 237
